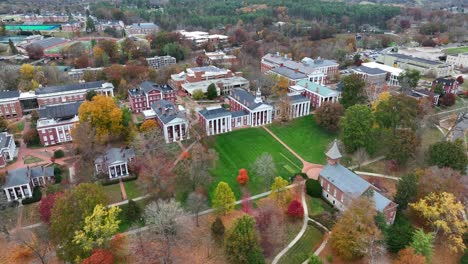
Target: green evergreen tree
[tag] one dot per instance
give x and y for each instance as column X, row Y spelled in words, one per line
column 241, row 243
column 423, row 243
column 357, row 129
column 407, row 188
column 353, row 91
column 212, row 92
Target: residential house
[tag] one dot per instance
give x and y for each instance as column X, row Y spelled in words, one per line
column 158, row 62
column 199, row 78
column 19, row 183
column 407, row 62
column 420, row 94
column 114, row 162
column 316, row 93
column 340, row 186
column 142, row 28
column 171, row 120
column 458, row 60
column 142, row 97
column 314, row 69
column 449, row 84
column 372, row 76
column 7, row 148
column 56, row 122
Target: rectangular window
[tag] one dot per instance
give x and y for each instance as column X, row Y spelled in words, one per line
column 328, row 187
column 334, row 192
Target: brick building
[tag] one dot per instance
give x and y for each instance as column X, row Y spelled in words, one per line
column 56, row 122
column 220, row 58
column 158, row 62
column 449, row 84
column 372, row 76
column 10, row 106
column 142, row 28
column 316, row 93
column 341, row 185
column 200, row 38
column 142, row 97
column 306, row 66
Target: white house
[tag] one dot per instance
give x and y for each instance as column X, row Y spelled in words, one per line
column 19, row 183
column 172, row 120
column 114, row 162
column 7, row 148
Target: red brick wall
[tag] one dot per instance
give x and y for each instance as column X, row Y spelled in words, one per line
column 58, row 99
column 15, row 105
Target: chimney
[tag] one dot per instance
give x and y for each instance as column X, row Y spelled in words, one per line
column 316, row 90
column 296, row 70
column 307, row 85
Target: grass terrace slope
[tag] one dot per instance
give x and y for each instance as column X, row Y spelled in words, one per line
column 239, row 149
column 303, row 248
column 452, row 51
column 305, row 137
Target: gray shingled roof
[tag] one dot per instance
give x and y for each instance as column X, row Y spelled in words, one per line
column 4, row 140
column 49, row 42
column 334, row 151
column 445, row 81
column 69, row 87
column 351, row 184
column 214, row 113
column 245, row 98
column 298, row 98
column 166, row 111
column 239, row 113
column 371, row 71
column 407, row 57
column 59, row 111
column 20, row 176
column 116, row 154
column 289, row 73
column 147, row 86
column 307, row 65
column 9, row 94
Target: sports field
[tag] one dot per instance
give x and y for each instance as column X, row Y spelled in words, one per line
column 452, row 51
column 239, row 149
column 59, row 48
column 31, row 27
column 305, row 137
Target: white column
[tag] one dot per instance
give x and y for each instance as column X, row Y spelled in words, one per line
column 22, row 193
column 29, row 189
column 215, row 129
column 173, row 134
column 14, row 192
column 110, row 171
column 7, row 192
column 166, row 134
column 126, row 168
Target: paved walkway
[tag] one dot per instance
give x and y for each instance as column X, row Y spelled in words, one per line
column 299, row 235
column 378, row 175
column 367, row 162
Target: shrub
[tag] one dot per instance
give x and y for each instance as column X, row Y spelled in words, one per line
column 58, row 174
column 59, row 154
column 198, row 94
column 313, row 188
column 243, row 177
column 217, row 228
column 400, row 234
column 448, row 99
column 132, row 211
column 107, row 181
column 36, row 197
column 31, row 137
column 314, row 259
column 295, row 209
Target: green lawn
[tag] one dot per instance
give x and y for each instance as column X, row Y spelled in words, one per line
column 317, row 206
column 303, row 248
column 305, row 137
column 20, row 126
column 31, row 159
column 114, row 194
column 452, row 51
column 239, row 149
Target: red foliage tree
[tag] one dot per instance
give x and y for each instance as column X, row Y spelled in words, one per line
column 247, row 206
column 45, row 206
column 82, row 61
column 100, row 256
column 243, row 177
column 295, row 209
column 448, row 99
column 460, row 79
column 185, row 155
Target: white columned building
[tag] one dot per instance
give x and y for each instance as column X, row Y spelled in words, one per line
column 19, row 183
column 114, row 162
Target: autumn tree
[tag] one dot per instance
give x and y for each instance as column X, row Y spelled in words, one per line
column 409, row 79
column 68, row 216
column 264, row 167
column 408, row 256
column 402, row 146
column 422, row 244
column 353, row 91
column 407, row 188
column 278, row 191
column 443, row 213
column 36, row 242
column 241, row 243
column 328, row 116
column 100, row 256
column 357, row 129
column 148, row 125
column 196, row 202
column 35, row 52
column 162, row 218
column 448, row 154
column 281, row 86
column 46, row 205
column 223, row 199
column 98, row 228
column 295, row 209
column 243, row 177
column 355, row 231
column 103, row 114
column 438, row 180
column 399, row 235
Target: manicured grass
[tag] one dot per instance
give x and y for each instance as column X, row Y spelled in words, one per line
column 20, row 126
column 317, row 206
column 31, row 159
column 115, row 195
column 455, row 50
column 303, row 248
column 239, row 149
column 305, row 137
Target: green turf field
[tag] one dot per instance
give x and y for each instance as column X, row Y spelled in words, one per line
column 305, row 137
column 452, row 51
column 239, row 149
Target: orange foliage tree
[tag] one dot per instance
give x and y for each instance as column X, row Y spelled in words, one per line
column 243, row 177
column 148, row 125
column 408, row 256
column 100, row 256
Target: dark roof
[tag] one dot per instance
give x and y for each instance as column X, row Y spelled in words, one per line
column 9, row 94
column 49, row 42
column 245, row 98
column 298, row 98
column 147, row 86
column 289, row 73
column 425, row 92
column 69, row 87
column 239, row 113
column 214, row 113
column 20, row 176
column 372, row 71
column 407, row 57
column 4, row 140
column 166, row 111
column 445, row 81
column 116, row 154
column 59, row 111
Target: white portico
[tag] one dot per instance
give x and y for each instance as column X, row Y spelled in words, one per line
column 216, row 120
column 114, row 162
column 171, row 119
column 260, row 113
column 20, row 182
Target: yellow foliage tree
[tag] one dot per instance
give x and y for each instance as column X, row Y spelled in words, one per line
column 148, row 125
column 281, row 86
column 97, row 52
column 279, row 192
column 27, row 71
column 444, row 213
column 383, row 97
column 103, row 114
